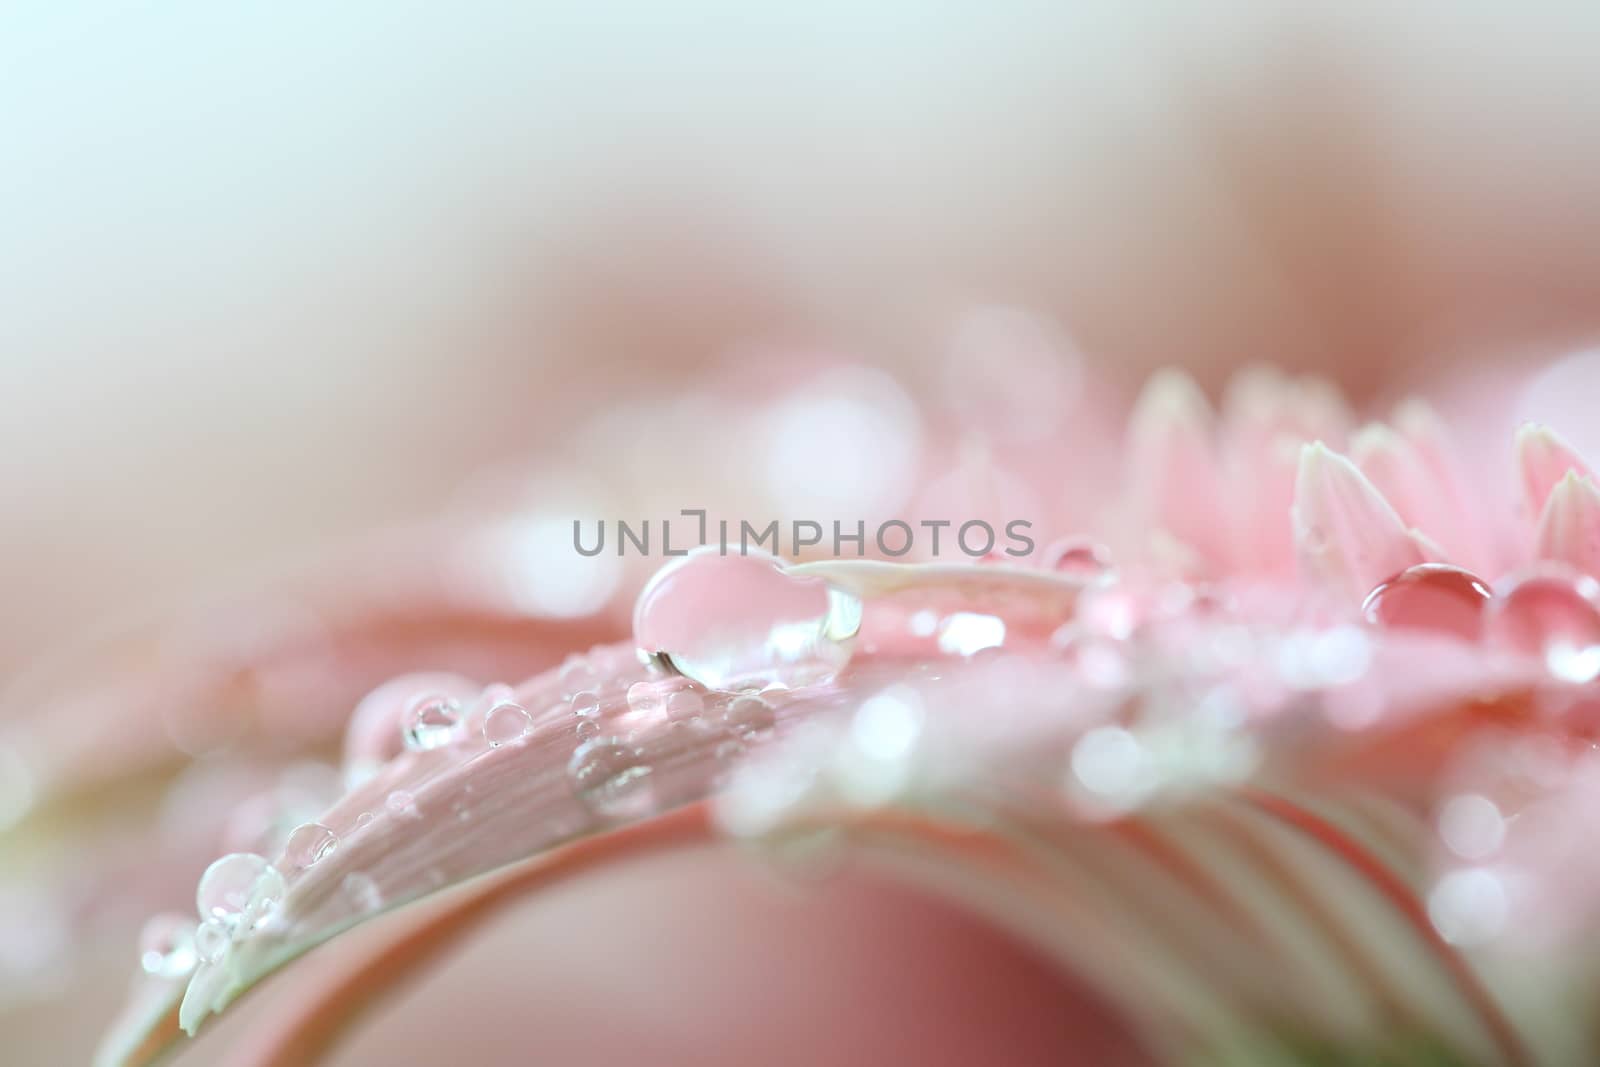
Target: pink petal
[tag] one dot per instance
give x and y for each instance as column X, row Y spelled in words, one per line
column 1172, row 468
column 1543, row 459
column 1569, row 525
column 1267, row 417
column 1346, row 534
column 1397, row 469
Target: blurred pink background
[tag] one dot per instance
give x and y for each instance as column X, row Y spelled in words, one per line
column 274, row 280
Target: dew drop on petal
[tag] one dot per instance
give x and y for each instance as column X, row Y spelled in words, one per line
column 735, row 621
column 1078, row 558
column 402, row 805
column 1554, row 616
column 1430, row 596
column 308, row 843
column 361, row 891
column 649, row 698
column 1469, row 906
column 1109, row 611
column 1109, row 762
column 966, row 633
column 363, row 819
column 586, row 704
column 684, row 705
column 612, row 778
column 211, row 941
column 239, row 890
column 505, row 724
column 876, row 762
column 577, row 675
column 430, row 722
column 166, row 946
column 1471, row 826
column 588, row 728
column 749, row 717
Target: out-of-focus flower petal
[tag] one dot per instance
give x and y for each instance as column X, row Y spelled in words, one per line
column 1347, row 535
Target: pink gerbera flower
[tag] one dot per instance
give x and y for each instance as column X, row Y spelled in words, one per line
column 1281, row 751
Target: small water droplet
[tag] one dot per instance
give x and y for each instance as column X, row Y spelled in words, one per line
column 1111, row 764
column 1469, row 906
column 496, row 693
column 731, row 621
column 505, row 724
column 578, row 675
column 211, row 940
column 586, row 705
column 364, row 818
column 1472, row 826
column 1553, row 615
column 966, row 633
column 166, row 946
column 430, row 722
column 612, row 778
column 239, row 890
column 876, row 764
column 649, row 698
column 491, row 697
column 402, row 805
column 1078, row 558
column 1099, row 662
column 684, row 705
column 361, row 891
column 1110, row 611
column 308, row 843
column 749, row 717
column 588, row 728
column 1430, row 596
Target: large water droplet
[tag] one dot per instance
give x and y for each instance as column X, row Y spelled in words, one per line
column 430, row 722
column 166, row 946
column 239, row 890
column 307, row 844
column 506, row 723
column 731, row 622
column 1430, row 596
column 211, row 940
column 1554, row 615
column 612, row 778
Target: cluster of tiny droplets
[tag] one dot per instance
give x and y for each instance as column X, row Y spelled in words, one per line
column 1554, row 617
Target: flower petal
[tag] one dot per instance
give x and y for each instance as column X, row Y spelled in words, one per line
column 1543, row 460
column 1347, row 535
column 1569, row 525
